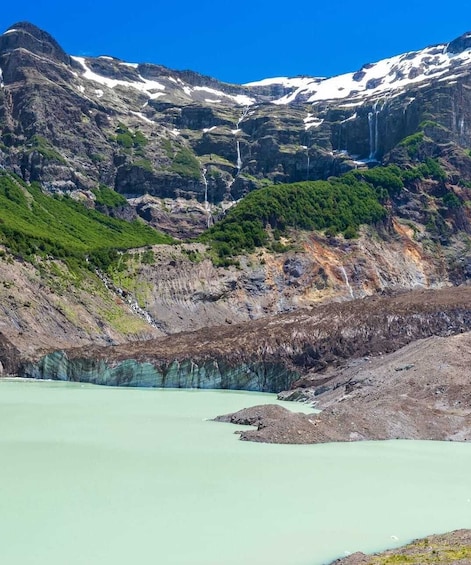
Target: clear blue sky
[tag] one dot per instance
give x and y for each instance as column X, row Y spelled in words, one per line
column 246, row 40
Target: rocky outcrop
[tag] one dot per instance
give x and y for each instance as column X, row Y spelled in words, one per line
column 24, row 35
column 9, row 357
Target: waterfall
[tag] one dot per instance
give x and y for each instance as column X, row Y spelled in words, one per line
column 347, row 283
column 209, row 219
column 373, row 131
column 239, row 159
column 130, row 300
column 2, row 84
column 461, row 126
column 242, row 117
column 245, row 113
column 308, row 163
column 373, row 126
column 376, row 130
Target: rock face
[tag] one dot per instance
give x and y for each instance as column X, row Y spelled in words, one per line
column 9, row 357
column 72, row 122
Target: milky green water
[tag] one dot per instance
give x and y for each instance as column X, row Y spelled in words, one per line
column 108, row 476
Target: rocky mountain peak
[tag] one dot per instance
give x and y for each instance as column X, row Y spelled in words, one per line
column 460, row 44
column 24, row 35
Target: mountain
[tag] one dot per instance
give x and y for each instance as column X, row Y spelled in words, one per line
column 317, row 237
column 347, row 186
column 72, row 122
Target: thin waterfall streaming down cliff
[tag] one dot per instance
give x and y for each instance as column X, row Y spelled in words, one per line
column 242, row 117
column 461, row 128
column 130, row 300
column 373, row 127
column 347, row 283
column 244, row 114
column 371, row 134
column 376, row 132
column 239, row 121
column 239, row 159
column 373, row 131
column 209, row 217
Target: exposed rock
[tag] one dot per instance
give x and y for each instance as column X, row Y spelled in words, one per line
column 24, row 35
column 307, row 396
column 460, row 44
column 9, row 357
column 427, row 396
column 453, row 547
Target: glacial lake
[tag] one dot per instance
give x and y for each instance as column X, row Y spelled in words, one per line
column 108, row 476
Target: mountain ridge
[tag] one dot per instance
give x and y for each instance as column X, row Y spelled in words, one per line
column 232, row 131
column 301, row 84
column 178, row 150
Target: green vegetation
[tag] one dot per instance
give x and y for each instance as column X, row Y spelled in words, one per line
column 168, row 148
column 108, row 197
column 128, row 139
column 412, row 143
column 186, row 164
column 430, row 169
column 387, row 181
column 42, row 146
column 97, row 157
column 338, row 205
column 452, row 201
column 430, row 124
column 433, row 553
column 148, row 257
column 34, row 224
column 193, row 255
column 144, row 164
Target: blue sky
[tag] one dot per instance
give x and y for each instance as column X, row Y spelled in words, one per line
column 246, row 40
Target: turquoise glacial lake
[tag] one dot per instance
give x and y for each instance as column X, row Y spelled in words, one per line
column 107, row 476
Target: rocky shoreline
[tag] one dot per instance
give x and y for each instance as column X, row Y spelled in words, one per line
column 453, row 547
column 422, row 391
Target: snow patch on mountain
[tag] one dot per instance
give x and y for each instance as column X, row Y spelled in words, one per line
column 154, row 89
column 388, row 77
column 240, row 99
column 312, row 122
column 295, row 82
column 143, row 85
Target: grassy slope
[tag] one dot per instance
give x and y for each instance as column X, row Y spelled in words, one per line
column 32, row 222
